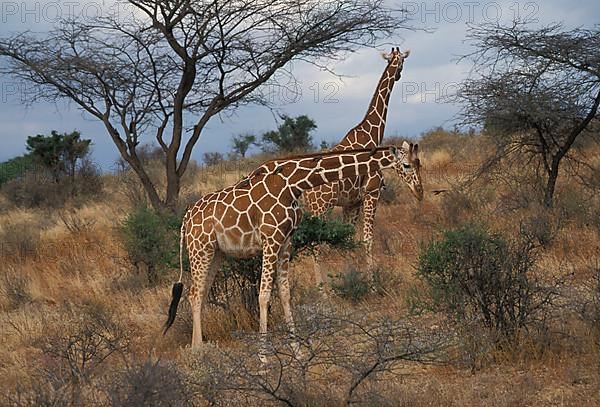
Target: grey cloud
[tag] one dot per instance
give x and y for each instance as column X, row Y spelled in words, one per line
column 414, row 106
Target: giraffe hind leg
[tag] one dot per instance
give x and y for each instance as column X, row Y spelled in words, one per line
column 370, row 206
column 204, row 268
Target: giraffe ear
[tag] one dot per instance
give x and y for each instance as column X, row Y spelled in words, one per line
column 406, row 53
column 406, row 146
column 415, row 151
column 386, row 56
column 394, row 151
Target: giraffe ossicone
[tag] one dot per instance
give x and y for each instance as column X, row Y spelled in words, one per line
column 260, row 214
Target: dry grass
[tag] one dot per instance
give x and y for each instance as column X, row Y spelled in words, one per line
column 53, row 264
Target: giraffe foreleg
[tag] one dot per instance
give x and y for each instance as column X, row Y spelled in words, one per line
column 271, row 250
column 283, row 285
column 369, row 208
column 320, row 200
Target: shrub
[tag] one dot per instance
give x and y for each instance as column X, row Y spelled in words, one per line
column 457, row 206
column 212, row 158
column 542, row 226
column 344, row 359
column 149, row 384
column 587, row 303
column 74, row 357
column 88, row 181
column 353, row 285
column 314, row 231
column 36, row 188
column 77, row 351
column 238, row 276
column 243, row 275
column 14, row 288
column 151, row 240
column 476, row 275
column 15, row 167
column 56, row 169
column 19, row 239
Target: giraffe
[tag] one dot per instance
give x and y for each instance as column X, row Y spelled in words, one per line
column 363, row 192
column 260, row 214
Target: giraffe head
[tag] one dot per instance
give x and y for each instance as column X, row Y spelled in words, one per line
column 396, row 61
column 408, row 168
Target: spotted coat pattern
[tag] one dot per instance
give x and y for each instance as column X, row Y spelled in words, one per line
column 260, row 214
column 363, row 192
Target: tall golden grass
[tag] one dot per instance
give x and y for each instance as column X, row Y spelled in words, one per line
column 67, row 268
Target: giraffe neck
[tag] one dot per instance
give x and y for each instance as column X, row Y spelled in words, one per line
column 308, row 172
column 373, row 123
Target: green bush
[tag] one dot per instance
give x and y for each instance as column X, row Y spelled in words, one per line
column 243, row 275
column 475, row 275
column 56, row 170
column 314, row 231
column 15, row 167
column 151, row 240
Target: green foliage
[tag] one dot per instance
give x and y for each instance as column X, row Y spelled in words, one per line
column 15, row 167
column 59, row 152
column 314, row 231
column 461, row 253
column 151, row 240
column 476, row 275
column 241, row 143
column 292, row 135
column 244, row 274
column 353, row 285
column 55, row 170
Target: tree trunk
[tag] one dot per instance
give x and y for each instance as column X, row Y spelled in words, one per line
column 173, row 187
column 551, row 186
column 150, row 189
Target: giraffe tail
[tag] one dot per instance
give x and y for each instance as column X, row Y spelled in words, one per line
column 177, row 290
column 176, row 296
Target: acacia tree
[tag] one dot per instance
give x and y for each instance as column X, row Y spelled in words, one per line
column 170, row 66
column 293, row 134
column 59, row 152
column 241, row 143
column 536, row 89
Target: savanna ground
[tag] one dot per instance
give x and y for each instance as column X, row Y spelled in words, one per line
column 81, row 325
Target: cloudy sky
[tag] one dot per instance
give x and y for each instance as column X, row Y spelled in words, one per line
column 335, row 104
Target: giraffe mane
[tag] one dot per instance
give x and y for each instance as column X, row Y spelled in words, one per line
column 278, row 162
column 325, row 154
